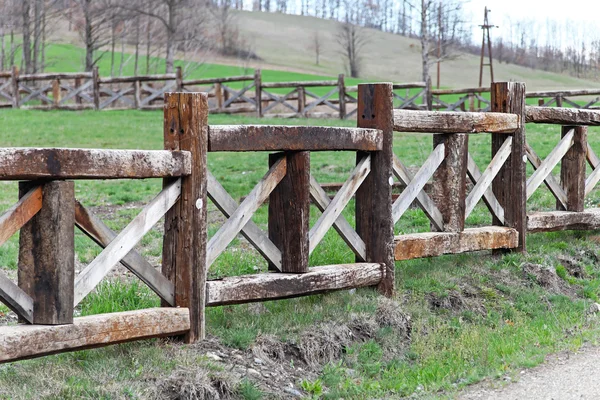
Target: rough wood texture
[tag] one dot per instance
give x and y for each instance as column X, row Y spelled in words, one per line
column 552, row 184
column 461, row 91
column 572, row 169
column 341, row 96
column 18, row 215
column 450, row 180
column 96, row 87
column 28, row 341
column 551, row 221
column 141, row 78
column 432, row 244
column 454, row 122
column 374, row 222
column 193, row 82
column 562, row 116
column 509, row 184
column 272, row 286
column 47, row 254
column 258, row 92
column 16, row 299
column 555, row 93
column 30, row 163
column 184, row 246
column 279, row 85
column 54, row 76
column 289, row 212
column 291, row 138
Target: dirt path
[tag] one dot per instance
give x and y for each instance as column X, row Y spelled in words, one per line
column 565, row 376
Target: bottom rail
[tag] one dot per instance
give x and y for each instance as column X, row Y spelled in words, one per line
column 432, row 244
column 551, row 221
column 20, row 342
column 272, row 286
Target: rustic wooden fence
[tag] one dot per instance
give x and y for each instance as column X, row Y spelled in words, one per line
column 586, row 99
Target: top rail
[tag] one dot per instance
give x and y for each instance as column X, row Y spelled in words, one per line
column 554, row 93
column 276, row 85
column 208, row 81
column 290, row 138
column 57, row 163
column 461, row 91
column 52, row 76
column 455, row 122
column 562, row 116
column 141, row 78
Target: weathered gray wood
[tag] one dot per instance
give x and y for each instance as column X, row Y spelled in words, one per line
column 19, row 214
column 433, row 244
column 454, row 122
column 572, row 169
column 488, row 196
column 16, row 299
column 31, row 163
column 555, row 93
column 125, row 241
column 485, row 180
column 251, row 231
column 140, row 78
column 47, row 254
column 551, row 221
column 291, row 138
column 422, row 199
column 550, row 181
column 341, row 225
column 244, row 212
column 549, row 163
column 53, row 76
column 272, row 286
column 208, row 81
column 96, row 230
column 339, row 202
column 461, row 91
column 562, row 116
column 258, row 92
column 279, row 85
column 418, row 183
column 28, row 341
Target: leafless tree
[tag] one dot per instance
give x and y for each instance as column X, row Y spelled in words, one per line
column 316, row 46
column 352, row 40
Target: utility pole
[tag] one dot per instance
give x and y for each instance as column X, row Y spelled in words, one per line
column 485, row 28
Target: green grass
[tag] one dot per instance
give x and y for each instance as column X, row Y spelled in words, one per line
column 515, row 324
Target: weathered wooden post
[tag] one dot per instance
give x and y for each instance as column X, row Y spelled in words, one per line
column 15, row 86
column 572, row 169
column 96, row 88
column 374, row 221
column 56, row 93
column 184, row 245
column 509, row 186
column 428, row 95
column 219, row 95
column 342, row 96
column 137, row 94
column 77, row 85
column 301, row 97
column 178, row 79
column 47, row 254
column 258, row 92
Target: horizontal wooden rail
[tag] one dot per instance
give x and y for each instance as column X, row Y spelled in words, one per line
column 138, row 78
column 551, row 221
column 562, row 116
column 272, row 286
column 29, row 341
column 58, row 163
column 432, row 244
column 285, row 138
column 413, row 85
column 281, row 85
column 454, row 122
column 461, row 91
column 52, row 76
column 554, row 93
column 208, row 81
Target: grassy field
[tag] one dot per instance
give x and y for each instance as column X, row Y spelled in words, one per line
column 472, row 316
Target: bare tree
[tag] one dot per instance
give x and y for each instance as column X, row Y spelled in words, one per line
column 316, row 46
column 352, row 40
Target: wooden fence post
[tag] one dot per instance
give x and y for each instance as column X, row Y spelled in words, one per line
column 450, row 180
column 77, row 85
column 96, row 88
column 428, row 95
column 572, row 169
column 289, row 212
column 219, row 95
column 509, row 186
column 15, row 86
column 342, row 96
column 374, row 221
column 47, row 254
column 137, row 94
column 184, row 245
column 301, row 94
column 178, row 79
column 258, row 92
column 56, row 93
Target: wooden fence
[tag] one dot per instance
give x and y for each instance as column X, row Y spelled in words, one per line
column 48, row 290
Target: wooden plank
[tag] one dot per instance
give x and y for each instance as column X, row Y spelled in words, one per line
column 54, row 76
column 572, row 169
column 56, row 163
column 125, row 241
column 28, row 341
column 449, row 184
column 555, row 93
column 374, row 223
column 592, row 158
column 341, row 96
column 339, row 202
column 292, row 138
column 257, row 238
column 96, row 230
column 433, row 244
column 140, row 78
column 413, row 85
column 209, row 81
column 47, row 254
column 294, row 84
column 272, row 286
column 552, row 184
column 509, row 185
column 485, row 180
column 552, row 221
column 341, row 225
column 19, row 214
column 426, row 171
column 454, row 122
column 289, row 211
column 549, row 163
column 244, row 212
column 438, row 92
column 16, row 299
column 562, row 116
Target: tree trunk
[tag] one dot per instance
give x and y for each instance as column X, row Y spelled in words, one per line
column 37, row 11
column 89, row 38
column 25, row 7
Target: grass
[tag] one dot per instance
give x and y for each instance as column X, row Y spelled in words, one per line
column 505, row 320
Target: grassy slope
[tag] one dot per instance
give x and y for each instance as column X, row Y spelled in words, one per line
column 516, row 321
